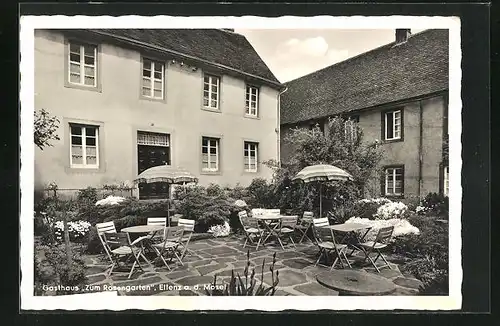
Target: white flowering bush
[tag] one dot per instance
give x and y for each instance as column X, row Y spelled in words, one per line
column 392, row 210
column 367, row 208
column 77, row 230
column 401, row 226
column 220, row 230
column 110, row 200
column 379, row 201
column 421, row 210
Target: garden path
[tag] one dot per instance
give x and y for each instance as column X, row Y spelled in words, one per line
column 219, row 256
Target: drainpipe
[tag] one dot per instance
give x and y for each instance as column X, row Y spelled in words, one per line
column 420, row 148
column 278, row 129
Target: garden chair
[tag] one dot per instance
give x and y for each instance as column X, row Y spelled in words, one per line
column 120, row 247
column 250, row 227
column 384, row 235
column 188, row 226
column 170, row 245
column 287, row 228
column 106, row 227
column 326, row 243
column 157, row 236
column 304, row 224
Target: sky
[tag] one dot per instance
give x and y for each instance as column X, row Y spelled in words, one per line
column 292, row 53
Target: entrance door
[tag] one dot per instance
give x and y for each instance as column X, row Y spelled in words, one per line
column 153, row 149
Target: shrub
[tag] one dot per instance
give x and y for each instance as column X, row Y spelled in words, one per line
column 401, row 227
column 429, row 253
column 51, row 268
column 261, row 194
column 221, row 230
column 367, row 208
column 238, row 287
column 392, row 210
column 436, row 204
column 78, row 230
column 207, row 209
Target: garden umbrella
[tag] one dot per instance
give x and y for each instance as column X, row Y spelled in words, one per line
column 167, row 174
column 322, row 173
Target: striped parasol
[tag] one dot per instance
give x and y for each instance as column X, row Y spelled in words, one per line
column 167, row 174
column 322, row 173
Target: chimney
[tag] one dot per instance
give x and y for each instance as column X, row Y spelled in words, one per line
column 402, row 35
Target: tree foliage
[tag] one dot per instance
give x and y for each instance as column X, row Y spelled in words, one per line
column 45, row 127
column 337, row 146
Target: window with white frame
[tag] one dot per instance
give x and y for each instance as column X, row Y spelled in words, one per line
column 393, row 123
column 446, row 180
column 350, row 128
column 250, row 156
column 394, row 181
column 153, row 79
column 84, row 150
column 210, row 154
column 82, row 64
column 211, row 85
column 252, row 101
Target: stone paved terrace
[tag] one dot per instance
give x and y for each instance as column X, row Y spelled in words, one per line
column 219, row 256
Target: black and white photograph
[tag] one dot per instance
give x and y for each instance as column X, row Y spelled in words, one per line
column 169, row 162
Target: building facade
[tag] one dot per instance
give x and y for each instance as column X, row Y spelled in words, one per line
column 128, row 100
column 398, row 95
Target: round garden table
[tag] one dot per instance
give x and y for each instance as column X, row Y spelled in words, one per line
column 143, row 228
column 353, row 282
column 146, row 245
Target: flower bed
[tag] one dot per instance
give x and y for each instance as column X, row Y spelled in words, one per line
column 401, row 226
column 77, row 230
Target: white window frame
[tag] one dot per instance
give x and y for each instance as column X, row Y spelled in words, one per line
column 209, row 79
column 152, row 79
column 82, row 64
column 212, row 166
column 251, row 91
column 446, row 180
column 247, row 158
column 83, row 135
column 396, row 121
column 390, row 172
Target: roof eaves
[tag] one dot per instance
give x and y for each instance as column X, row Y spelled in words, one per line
column 187, row 56
column 373, row 107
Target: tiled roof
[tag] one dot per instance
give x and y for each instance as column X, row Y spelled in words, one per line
column 214, row 45
column 387, row 74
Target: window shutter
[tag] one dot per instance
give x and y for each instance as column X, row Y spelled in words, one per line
column 441, row 178
column 382, row 124
column 382, row 183
column 404, row 178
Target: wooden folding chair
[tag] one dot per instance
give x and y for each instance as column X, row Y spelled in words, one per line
column 161, row 221
column 106, row 227
column 170, row 244
column 287, row 228
column 381, row 241
column 326, row 243
column 188, row 226
column 250, row 227
column 304, row 224
column 123, row 248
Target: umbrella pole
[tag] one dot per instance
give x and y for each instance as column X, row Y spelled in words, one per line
column 320, row 201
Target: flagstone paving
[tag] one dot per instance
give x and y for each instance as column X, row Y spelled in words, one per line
column 220, row 256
